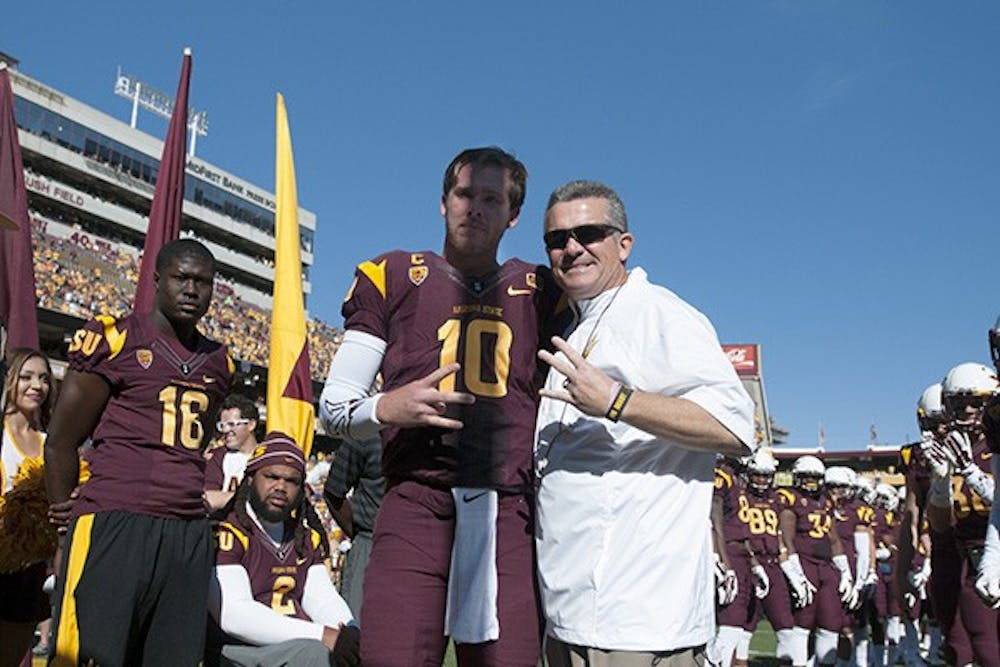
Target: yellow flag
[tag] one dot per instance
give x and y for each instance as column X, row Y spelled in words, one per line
column 289, row 388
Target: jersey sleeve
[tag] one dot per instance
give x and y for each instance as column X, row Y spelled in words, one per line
column 786, row 499
column 214, row 475
column 366, row 306
column 230, row 544
column 95, row 346
column 991, row 424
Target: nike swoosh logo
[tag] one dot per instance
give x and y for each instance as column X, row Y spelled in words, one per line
column 299, row 561
column 469, row 497
column 207, row 380
column 513, row 291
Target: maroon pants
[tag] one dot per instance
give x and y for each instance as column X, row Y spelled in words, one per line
column 826, row 610
column 406, row 583
column 739, row 612
column 778, row 603
column 945, row 586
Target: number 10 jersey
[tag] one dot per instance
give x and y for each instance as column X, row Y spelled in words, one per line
column 430, row 315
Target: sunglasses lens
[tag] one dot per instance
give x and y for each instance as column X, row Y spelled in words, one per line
column 556, row 239
column 587, row 234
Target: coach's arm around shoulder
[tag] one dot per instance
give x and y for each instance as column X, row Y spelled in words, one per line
column 671, row 418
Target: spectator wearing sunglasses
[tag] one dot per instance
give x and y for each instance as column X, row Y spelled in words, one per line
column 237, row 426
column 638, row 401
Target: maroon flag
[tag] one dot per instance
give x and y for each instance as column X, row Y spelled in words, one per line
column 17, row 275
column 168, row 198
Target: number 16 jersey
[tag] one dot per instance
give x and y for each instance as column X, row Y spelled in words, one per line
column 148, row 444
column 430, row 315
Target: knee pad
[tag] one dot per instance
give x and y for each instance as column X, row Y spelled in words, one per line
column 785, row 640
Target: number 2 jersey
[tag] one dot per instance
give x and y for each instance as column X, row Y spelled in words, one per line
column 147, row 456
column 430, row 315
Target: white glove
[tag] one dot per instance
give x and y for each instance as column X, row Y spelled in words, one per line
column 761, row 585
column 958, row 450
column 727, row 585
column 919, row 578
column 938, row 462
column 988, row 588
column 881, row 553
column 802, row 588
column 846, row 586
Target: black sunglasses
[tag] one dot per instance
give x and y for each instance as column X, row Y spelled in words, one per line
column 584, row 235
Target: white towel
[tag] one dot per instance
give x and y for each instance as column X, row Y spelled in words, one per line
column 471, row 615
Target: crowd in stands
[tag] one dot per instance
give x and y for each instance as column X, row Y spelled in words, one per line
column 84, row 280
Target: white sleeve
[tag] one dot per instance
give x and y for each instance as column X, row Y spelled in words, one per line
column 322, row 602
column 862, row 545
column 991, row 552
column 232, row 605
column 345, row 408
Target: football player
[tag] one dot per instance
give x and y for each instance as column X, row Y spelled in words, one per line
column 271, row 599
column 816, row 566
column 988, row 581
column 454, row 336
column 734, row 526
column 853, row 523
column 887, row 607
column 135, row 575
column 960, row 499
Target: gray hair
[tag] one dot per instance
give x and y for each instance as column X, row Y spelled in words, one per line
column 585, row 189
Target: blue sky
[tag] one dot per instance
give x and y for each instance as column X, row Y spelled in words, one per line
column 818, row 177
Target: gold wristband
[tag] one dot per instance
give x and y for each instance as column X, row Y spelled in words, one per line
column 621, row 400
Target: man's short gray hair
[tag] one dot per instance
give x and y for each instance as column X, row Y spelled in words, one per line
column 585, row 189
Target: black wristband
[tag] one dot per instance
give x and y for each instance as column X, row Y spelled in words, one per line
column 621, row 400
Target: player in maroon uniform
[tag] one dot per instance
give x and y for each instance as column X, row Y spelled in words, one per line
column 887, row 609
column 736, row 588
column 771, row 591
column 988, row 580
column 271, row 596
column 962, row 500
column 138, row 550
column 454, row 336
column 816, row 567
column 852, row 521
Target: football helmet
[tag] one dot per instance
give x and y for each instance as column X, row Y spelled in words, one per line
column 930, row 409
column 966, row 389
column 886, row 497
column 808, row 473
column 839, row 482
column 760, row 471
column 865, row 489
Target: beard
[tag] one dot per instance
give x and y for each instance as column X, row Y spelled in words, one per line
column 265, row 513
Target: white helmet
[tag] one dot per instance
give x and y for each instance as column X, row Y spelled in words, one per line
column 865, row 489
column 761, row 465
column 807, row 473
column 969, row 384
column 886, row 495
column 930, row 406
column 839, row 476
column 901, row 493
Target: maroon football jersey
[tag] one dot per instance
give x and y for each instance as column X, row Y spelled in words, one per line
column 972, row 514
column 430, row 315
column 813, row 523
column 848, row 517
column 885, row 524
column 918, row 475
column 729, row 486
column 147, row 454
column 277, row 573
column 762, row 520
column 991, row 424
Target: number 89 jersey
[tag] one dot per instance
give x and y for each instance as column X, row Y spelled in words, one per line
column 151, row 434
column 430, row 315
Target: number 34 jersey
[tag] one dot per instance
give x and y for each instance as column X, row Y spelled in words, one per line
column 430, row 315
column 148, row 444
